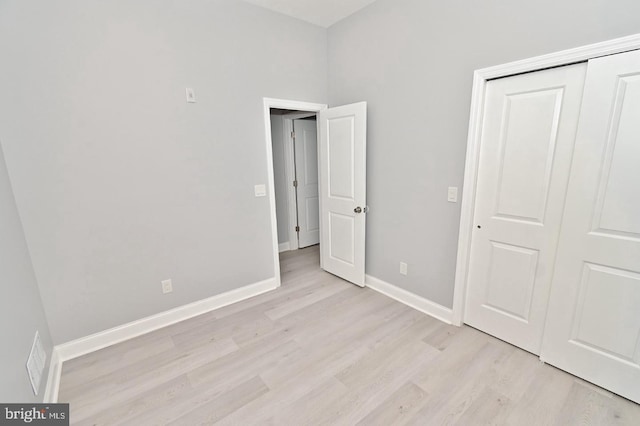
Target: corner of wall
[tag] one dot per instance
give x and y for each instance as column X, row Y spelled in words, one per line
column 426, row 306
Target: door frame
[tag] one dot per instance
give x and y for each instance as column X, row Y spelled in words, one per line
column 269, row 103
column 480, row 79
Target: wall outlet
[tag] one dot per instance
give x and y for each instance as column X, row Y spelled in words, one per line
column 191, row 95
column 403, row 268
column 167, row 287
column 260, row 190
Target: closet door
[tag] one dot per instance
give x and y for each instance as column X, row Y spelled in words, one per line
column 527, row 143
column 593, row 323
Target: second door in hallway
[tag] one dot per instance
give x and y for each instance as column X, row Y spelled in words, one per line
column 306, row 163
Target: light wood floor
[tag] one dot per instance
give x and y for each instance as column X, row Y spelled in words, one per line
column 320, row 351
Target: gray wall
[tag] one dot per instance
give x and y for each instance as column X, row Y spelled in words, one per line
column 21, row 311
column 280, row 180
column 412, row 61
column 120, row 183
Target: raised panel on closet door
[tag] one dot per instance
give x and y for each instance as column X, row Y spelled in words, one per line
column 526, row 148
column 593, row 323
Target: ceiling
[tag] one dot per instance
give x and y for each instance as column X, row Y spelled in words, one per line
column 320, row 12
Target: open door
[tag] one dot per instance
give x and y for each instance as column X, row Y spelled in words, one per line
column 343, row 140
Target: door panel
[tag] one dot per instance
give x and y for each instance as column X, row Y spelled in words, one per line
column 593, row 323
column 341, row 247
column 306, row 154
column 618, row 209
column 343, row 190
column 511, row 280
column 608, row 300
column 340, row 146
column 527, row 150
column 526, row 147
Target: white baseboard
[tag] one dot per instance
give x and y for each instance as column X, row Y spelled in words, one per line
column 410, row 299
column 53, row 379
column 284, row 247
column 102, row 339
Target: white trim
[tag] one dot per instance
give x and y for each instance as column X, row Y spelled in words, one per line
column 294, row 106
column 290, row 176
column 103, row 339
column 468, row 198
column 563, row 57
column 283, row 247
column 53, row 378
column 480, row 78
column 410, row 299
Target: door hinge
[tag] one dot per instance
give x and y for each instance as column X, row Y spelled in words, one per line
column 295, row 183
column 297, row 229
column 293, row 135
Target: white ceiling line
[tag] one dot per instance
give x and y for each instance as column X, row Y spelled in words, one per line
column 323, row 13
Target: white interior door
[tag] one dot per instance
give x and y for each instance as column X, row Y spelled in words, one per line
column 343, row 190
column 526, row 147
column 593, row 323
column 306, row 160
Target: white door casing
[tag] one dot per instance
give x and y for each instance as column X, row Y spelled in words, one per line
column 306, row 164
column 593, row 321
column 526, row 148
column 343, row 190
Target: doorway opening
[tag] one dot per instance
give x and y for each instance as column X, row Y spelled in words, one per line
column 295, row 167
column 294, row 138
column 292, row 145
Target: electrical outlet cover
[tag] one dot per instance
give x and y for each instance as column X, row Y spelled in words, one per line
column 260, row 190
column 167, row 286
column 191, row 95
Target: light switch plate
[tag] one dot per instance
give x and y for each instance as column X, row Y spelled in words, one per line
column 260, row 190
column 452, row 194
column 191, row 95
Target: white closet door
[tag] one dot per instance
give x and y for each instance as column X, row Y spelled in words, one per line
column 527, row 143
column 593, row 323
column 306, row 153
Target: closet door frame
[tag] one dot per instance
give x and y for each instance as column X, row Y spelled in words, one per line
column 480, row 79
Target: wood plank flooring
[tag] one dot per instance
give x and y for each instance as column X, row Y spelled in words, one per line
column 320, row 351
